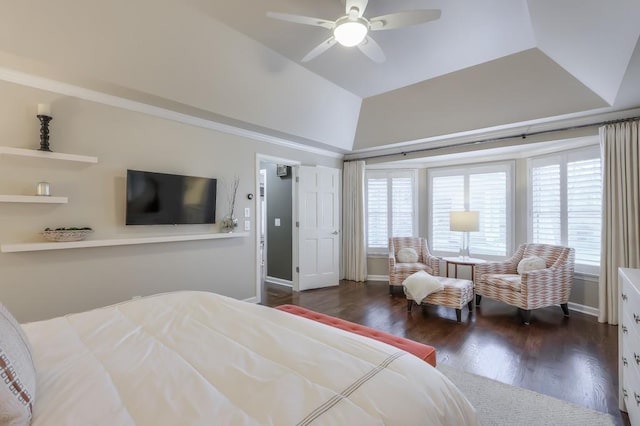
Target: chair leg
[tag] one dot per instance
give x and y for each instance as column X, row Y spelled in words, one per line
column 565, row 309
column 459, row 315
column 470, row 305
column 478, row 299
column 390, row 289
column 526, row 316
column 409, row 305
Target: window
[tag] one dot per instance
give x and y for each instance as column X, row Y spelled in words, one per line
column 565, row 201
column 391, row 207
column 486, row 189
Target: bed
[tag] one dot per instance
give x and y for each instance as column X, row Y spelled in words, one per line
column 197, row 358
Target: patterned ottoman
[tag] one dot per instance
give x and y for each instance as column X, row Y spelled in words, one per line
column 456, row 294
column 424, row 352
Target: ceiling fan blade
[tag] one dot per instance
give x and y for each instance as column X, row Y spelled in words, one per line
column 319, row 49
column 404, row 19
column 361, row 5
column 372, row 49
column 298, row 19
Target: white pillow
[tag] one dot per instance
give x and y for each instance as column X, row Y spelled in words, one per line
column 407, row 255
column 18, row 375
column 421, row 284
column 532, row 263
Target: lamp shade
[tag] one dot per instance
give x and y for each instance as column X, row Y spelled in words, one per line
column 350, row 32
column 464, row 221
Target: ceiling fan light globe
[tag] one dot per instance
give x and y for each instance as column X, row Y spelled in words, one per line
column 350, row 33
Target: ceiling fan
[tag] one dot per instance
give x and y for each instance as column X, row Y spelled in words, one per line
column 353, row 28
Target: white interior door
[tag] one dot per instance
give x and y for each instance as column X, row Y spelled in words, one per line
column 318, row 230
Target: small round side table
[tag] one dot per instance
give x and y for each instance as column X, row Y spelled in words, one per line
column 457, row 260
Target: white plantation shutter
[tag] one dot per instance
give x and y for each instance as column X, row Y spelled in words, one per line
column 584, row 209
column 488, row 195
column 390, row 207
column 486, row 189
column 545, row 204
column 447, row 195
column 401, row 207
column 377, row 212
column 566, row 200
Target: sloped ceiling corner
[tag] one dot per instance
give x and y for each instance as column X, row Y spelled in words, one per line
column 173, row 52
column 592, row 39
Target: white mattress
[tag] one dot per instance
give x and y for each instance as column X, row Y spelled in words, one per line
column 196, row 358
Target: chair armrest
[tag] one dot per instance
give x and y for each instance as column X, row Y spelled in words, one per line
column 434, row 262
column 392, row 261
column 538, row 279
column 506, row 267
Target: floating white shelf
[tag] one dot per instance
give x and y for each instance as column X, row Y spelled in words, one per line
column 14, row 248
column 33, row 199
column 21, row 152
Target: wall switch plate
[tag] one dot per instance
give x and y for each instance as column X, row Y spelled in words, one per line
column 277, row 221
column 247, row 212
column 247, row 225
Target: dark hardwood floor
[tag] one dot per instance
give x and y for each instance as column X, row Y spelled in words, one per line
column 573, row 359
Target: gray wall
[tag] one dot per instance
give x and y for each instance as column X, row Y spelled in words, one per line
column 279, row 238
column 38, row 285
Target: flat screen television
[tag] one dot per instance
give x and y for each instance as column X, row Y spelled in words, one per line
column 166, row 199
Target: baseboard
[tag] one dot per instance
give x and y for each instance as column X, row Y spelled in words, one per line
column 377, row 277
column 279, row 281
column 251, row 300
column 589, row 310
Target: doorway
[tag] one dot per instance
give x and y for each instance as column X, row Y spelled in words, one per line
column 275, row 225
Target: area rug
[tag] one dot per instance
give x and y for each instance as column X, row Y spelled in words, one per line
column 499, row 404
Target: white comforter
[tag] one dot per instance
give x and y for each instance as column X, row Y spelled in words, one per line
column 196, row 358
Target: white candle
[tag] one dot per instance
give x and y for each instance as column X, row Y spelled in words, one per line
column 44, row 109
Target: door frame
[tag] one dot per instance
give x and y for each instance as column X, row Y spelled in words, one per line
column 258, row 214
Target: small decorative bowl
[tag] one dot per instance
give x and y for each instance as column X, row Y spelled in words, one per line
column 66, row 235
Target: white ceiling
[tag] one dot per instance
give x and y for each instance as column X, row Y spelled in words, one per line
column 485, row 64
column 467, row 34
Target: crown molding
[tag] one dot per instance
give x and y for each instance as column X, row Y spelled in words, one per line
column 513, row 130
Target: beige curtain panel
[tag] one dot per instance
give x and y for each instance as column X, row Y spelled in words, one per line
column 620, row 210
column 354, row 237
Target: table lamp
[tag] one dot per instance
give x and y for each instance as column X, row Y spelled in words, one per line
column 465, row 222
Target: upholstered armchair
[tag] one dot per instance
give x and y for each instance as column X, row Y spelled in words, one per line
column 530, row 290
column 399, row 271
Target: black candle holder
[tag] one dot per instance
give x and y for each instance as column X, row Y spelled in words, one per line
column 44, row 132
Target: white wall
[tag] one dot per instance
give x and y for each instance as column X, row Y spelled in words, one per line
column 38, row 285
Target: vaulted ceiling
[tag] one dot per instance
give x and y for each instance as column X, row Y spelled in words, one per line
column 483, row 64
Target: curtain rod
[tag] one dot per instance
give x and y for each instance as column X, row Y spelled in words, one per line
column 496, row 139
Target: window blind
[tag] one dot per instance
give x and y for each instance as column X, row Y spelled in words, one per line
column 484, row 188
column 488, row 195
column 390, row 207
column 447, row 195
column 566, row 203
column 545, row 204
column 377, row 213
column 584, row 209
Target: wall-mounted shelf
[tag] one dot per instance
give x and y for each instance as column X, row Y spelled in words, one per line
column 21, row 152
column 14, row 248
column 35, row 199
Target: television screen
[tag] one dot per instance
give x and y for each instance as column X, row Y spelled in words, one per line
column 165, row 199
